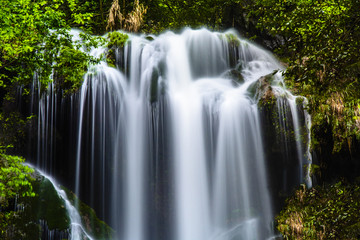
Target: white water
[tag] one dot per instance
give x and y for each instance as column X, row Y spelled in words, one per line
column 286, row 99
column 168, row 147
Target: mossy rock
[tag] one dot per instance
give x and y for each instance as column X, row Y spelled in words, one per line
column 48, row 206
column 47, row 212
column 117, row 41
column 44, row 212
column 110, row 58
column 92, row 224
column 299, row 101
column 261, row 90
column 235, row 76
column 149, row 38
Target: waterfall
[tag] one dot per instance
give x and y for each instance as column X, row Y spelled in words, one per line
column 169, row 144
column 77, row 230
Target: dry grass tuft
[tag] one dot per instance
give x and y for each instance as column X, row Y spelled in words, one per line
column 115, row 19
column 336, row 103
column 295, row 223
column 301, row 193
column 136, row 18
column 133, row 20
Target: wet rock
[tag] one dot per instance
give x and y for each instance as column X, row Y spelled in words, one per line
column 261, row 90
column 154, row 86
column 235, row 76
column 149, row 38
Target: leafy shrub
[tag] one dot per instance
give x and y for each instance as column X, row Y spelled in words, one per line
column 323, row 212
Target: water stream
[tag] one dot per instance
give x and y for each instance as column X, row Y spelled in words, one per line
column 167, row 145
column 77, row 231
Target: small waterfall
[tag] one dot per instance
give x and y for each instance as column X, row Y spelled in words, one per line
column 77, row 230
column 300, row 125
column 170, row 144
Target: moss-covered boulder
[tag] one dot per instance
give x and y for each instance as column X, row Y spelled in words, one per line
column 91, row 223
column 42, row 215
column 262, row 91
column 46, row 214
column 149, row 38
column 49, row 206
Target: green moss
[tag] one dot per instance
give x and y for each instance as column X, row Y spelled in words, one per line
column 46, row 205
column 314, row 169
column 110, row 58
column 149, row 38
column 261, row 90
column 116, row 40
column 93, row 225
column 49, row 206
column 299, row 101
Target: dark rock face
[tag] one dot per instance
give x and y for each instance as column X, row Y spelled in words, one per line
column 333, row 166
column 280, row 148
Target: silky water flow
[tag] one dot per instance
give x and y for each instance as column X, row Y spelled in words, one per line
column 166, row 145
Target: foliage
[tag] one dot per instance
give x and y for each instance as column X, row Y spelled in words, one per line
column 328, row 212
column 35, row 38
column 172, row 14
column 13, row 129
column 68, row 60
column 43, row 203
column 15, row 182
column 14, row 178
column 320, row 41
column 46, row 206
column 117, row 39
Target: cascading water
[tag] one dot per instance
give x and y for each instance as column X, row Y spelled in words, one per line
column 77, row 230
column 169, row 145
